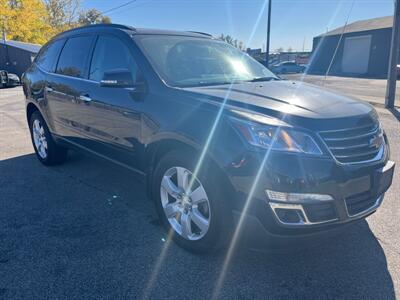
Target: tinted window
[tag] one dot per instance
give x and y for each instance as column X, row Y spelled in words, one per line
column 110, row 54
column 74, row 57
column 48, row 55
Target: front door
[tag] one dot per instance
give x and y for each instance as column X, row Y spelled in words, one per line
column 112, row 115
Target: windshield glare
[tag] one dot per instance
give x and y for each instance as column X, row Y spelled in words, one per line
column 187, row 61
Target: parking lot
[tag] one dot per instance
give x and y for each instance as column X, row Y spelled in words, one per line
column 366, row 89
column 86, row 230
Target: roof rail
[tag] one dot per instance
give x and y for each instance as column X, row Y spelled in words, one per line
column 119, row 26
column 202, row 33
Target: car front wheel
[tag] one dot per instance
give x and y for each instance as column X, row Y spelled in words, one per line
column 190, row 205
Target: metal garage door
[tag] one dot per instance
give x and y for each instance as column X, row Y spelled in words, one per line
column 356, row 54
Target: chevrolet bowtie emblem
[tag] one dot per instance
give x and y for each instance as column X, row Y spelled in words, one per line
column 376, row 141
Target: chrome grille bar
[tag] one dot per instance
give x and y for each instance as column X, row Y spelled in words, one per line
column 353, row 137
column 356, row 144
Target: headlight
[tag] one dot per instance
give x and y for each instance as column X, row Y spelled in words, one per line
column 276, row 137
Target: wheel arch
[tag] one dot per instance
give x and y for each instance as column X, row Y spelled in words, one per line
column 30, row 109
column 156, row 150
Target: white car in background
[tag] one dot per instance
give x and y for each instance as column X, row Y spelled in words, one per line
column 287, row 67
column 8, row 79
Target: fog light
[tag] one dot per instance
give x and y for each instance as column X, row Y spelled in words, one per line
column 296, row 197
column 289, row 215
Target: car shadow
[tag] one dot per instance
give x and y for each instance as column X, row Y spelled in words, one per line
column 92, row 219
column 395, row 112
column 349, row 264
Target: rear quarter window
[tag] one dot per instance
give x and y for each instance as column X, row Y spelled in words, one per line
column 48, row 56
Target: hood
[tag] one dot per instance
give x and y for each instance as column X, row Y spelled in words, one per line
column 288, row 98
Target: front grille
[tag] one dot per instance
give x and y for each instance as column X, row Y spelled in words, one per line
column 320, row 212
column 354, row 145
column 359, row 203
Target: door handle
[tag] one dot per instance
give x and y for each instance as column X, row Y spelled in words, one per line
column 85, row 98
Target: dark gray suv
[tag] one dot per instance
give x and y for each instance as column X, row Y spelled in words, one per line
column 220, row 141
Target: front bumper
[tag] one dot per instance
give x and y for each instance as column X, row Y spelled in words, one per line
column 356, row 191
column 13, row 82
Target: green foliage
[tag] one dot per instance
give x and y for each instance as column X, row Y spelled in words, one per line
column 92, row 16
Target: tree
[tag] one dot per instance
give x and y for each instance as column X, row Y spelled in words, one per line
column 289, row 49
column 25, row 20
column 230, row 40
column 36, row 21
column 63, row 14
column 279, row 50
column 93, row 16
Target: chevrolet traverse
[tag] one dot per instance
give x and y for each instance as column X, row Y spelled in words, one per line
column 216, row 136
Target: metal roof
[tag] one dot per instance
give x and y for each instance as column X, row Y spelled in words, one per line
column 363, row 25
column 34, row 48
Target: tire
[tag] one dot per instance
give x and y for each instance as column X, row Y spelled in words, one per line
column 47, row 151
column 213, row 209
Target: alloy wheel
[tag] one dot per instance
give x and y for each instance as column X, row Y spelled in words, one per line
column 39, row 138
column 185, row 203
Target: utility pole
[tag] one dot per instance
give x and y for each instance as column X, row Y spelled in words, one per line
column 268, row 34
column 392, row 73
column 4, row 37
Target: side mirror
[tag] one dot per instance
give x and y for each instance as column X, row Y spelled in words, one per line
column 117, row 78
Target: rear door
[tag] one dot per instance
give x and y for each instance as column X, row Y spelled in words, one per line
column 112, row 115
column 46, row 61
column 65, row 85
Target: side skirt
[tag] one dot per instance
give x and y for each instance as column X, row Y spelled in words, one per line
column 68, row 143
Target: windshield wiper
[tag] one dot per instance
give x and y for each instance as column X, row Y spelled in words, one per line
column 210, row 83
column 257, row 79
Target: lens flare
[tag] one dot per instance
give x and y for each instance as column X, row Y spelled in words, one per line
column 239, row 67
column 236, row 234
column 154, row 274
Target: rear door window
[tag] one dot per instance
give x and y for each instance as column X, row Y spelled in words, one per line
column 110, row 54
column 74, row 57
column 48, row 56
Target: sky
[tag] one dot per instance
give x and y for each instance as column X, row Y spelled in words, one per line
column 294, row 23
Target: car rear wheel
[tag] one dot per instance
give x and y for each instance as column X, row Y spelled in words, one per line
column 47, row 151
column 190, row 206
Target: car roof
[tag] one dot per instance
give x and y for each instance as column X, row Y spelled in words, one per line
column 133, row 31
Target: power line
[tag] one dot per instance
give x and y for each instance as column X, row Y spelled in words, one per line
column 137, row 4
column 340, row 39
column 118, row 7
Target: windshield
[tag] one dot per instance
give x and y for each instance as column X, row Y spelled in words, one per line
column 188, row 61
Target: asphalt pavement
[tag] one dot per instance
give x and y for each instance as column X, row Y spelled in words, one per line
column 85, row 230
